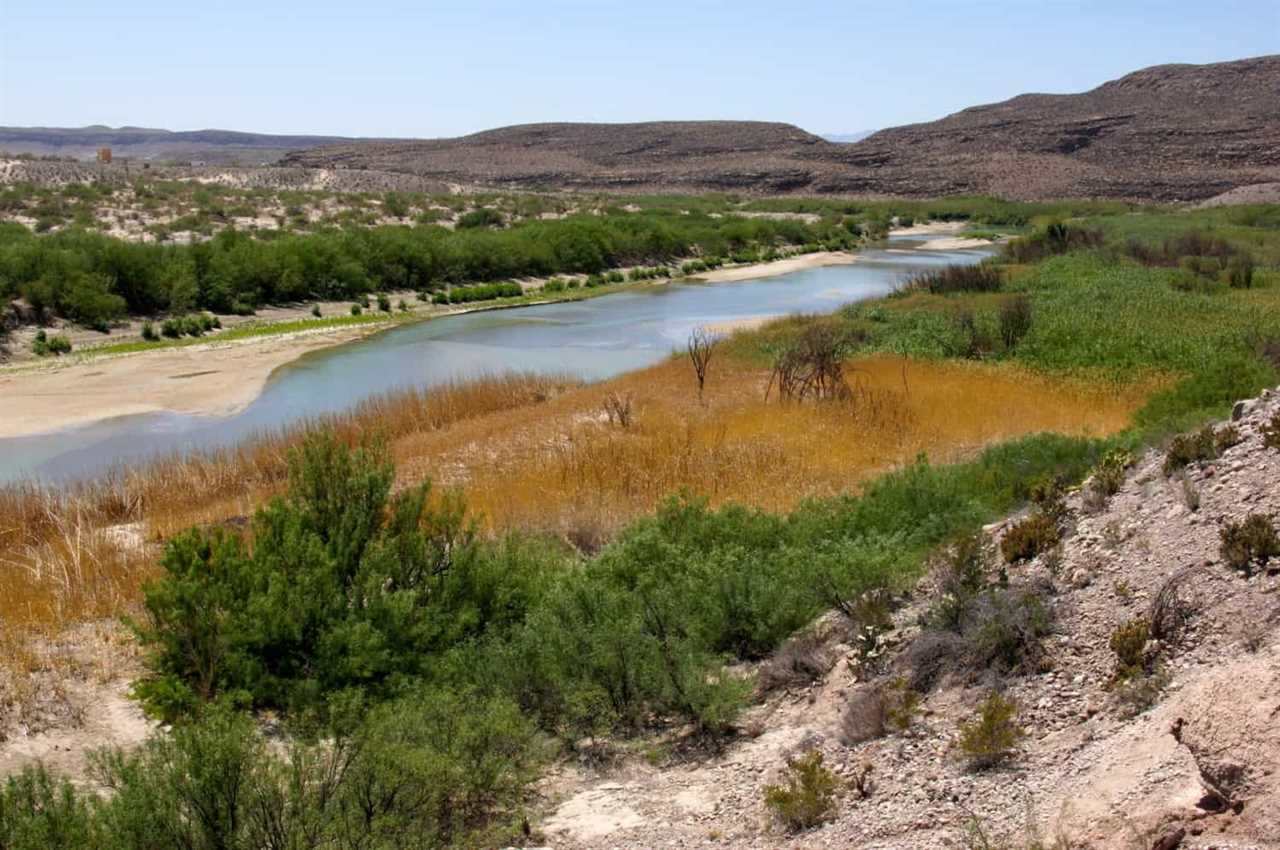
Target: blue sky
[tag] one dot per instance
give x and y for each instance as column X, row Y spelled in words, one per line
column 399, row 68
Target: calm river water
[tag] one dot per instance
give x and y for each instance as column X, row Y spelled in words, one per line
column 595, row 339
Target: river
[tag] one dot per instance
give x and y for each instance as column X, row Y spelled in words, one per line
column 594, row 338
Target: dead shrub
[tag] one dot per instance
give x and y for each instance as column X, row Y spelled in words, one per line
column 1186, row 449
column 800, row 661
column 617, row 406
column 1170, row 610
column 931, row 657
column 811, row 366
column 863, row 718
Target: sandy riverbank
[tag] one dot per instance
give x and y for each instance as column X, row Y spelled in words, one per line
column 208, row 379
column 779, row 267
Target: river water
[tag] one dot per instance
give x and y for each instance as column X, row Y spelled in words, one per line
column 595, row 338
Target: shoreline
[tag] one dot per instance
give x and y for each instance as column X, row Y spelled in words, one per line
column 222, row 378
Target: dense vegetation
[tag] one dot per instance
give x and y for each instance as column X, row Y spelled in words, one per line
column 93, row 279
column 399, row 644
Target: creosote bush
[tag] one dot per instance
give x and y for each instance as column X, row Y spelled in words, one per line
column 1128, row 643
column 993, row 736
column 1271, row 432
column 1250, row 543
column 1029, row 537
column 808, row 796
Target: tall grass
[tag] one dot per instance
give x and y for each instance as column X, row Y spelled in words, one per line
column 81, row 553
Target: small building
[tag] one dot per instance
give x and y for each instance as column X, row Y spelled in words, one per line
column 104, row 155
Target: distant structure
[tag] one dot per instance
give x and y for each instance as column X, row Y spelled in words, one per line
column 104, row 154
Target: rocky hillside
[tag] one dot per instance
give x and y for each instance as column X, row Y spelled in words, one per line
column 1176, row 746
column 211, row 146
column 1173, row 132
column 665, row 155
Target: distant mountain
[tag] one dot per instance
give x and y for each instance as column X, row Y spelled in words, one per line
column 1167, row 133
column 212, row 146
column 652, row 156
column 1172, row 132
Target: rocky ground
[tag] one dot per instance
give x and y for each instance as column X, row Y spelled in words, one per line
column 1188, row 758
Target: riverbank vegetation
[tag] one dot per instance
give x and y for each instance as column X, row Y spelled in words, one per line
column 572, row 573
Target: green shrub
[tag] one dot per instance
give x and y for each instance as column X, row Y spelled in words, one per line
column 1029, row 537
column 994, row 735
column 1107, row 477
column 356, row 309
column 315, row 310
column 402, row 306
column 149, row 332
column 808, row 797
column 44, row 345
column 384, row 302
column 344, row 588
column 1128, row 643
column 1249, row 543
column 948, row 280
column 38, row 812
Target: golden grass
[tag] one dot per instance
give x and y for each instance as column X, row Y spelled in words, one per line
column 538, row 453
column 572, row 468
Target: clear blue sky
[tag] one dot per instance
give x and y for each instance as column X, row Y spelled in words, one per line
column 401, row 68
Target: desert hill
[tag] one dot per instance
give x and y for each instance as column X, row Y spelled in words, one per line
column 1171, row 132
column 212, row 146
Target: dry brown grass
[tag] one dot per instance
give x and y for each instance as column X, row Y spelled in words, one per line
column 563, row 468
column 539, row 453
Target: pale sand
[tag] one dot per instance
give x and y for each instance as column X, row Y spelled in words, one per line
column 779, row 267
column 208, row 379
column 953, row 243
column 931, row 228
column 731, row 326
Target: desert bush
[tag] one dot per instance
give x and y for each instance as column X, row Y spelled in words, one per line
column 343, row 588
column 948, row 280
column 39, row 812
column 901, row 703
column 1249, row 543
column 384, row 302
column 1271, row 432
column 149, row 332
column 1226, row 437
column 808, row 797
column 44, row 345
column 1029, row 537
column 315, row 310
column 356, row 309
column 811, row 366
column 802, row 660
column 961, row 576
column 1051, row 239
column 1128, row 643
column 1015, row 320
column 1106, row 479
column 1186, row 449
column 993, row 736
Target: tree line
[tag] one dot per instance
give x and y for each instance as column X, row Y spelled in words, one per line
column 95, row 279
